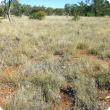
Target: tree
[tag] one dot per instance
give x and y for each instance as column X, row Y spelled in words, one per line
column 82, row 6
column 15, row 8
column 59, row 11
column 49, row 11
column 96, row 4
column 6, row 10
column 68, row 8
column 74, row 9
column 37, row 9
column 22, row 9
column 0, row 12
column 107, row 8
column 28, row 10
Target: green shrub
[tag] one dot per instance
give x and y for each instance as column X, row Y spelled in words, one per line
column 90, row 14
column 14, row 60
column 50, row 84
column 94, row 51
column 1, row 48
column 105, row 55
column 103, row 80
column 39, row 15
column 27, row 99
column 76, row 17
column 82, row 45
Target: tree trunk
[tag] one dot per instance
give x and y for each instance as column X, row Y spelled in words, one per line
column 9, row 12
column 5, row 16
column 22, row 15
column 9, row 18
column 95, row 11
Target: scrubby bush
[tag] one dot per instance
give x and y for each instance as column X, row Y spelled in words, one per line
column 39, row 15
column 76, row 17
column 94, row 51
column 105, row 55
column 90, row 14
column 50, row 84
column 103, row 80
column 1, row 48
column 14, row 60
column 27, row 99
column 82, row 45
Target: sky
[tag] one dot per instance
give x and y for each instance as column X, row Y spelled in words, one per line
column 50, row 3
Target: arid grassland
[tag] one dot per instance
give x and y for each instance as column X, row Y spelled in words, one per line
column 40, row 60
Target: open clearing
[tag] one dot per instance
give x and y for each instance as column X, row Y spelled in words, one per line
column 55, row 63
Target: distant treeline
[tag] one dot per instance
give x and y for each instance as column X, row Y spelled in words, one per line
column 94, row 8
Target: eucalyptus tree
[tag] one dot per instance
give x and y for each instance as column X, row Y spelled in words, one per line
column 15, row 8
column 74, row 9
column 107, row 7
column 22, row 9
column 82, row 8
column 96, row 4
column 28, row 10
column 68, row 8
column 49, row 11
column 6, row 10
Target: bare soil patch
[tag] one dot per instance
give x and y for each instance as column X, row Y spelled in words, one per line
column 6, row 91
column 64, row 101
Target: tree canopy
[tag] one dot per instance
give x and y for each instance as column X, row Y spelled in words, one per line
column 87, row 8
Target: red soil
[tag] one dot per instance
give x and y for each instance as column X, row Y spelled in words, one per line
column 6, row 90
column 64, row 101
column 102, row 97
column 9, row 71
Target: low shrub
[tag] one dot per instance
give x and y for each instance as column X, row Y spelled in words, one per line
column 14, row 60
column 94, row 51
column 1, row 48
column 39, row 15
column 82, row 45
column 27, row 99
column 76, row 17
column 50, row 84
column 90, row 14
column 103, row 80
column 105, row 55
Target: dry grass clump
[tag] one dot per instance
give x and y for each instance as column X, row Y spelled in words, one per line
column 102, row 80
column 46, row 53
column 26, row 99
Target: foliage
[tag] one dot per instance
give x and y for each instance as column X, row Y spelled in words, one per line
column 76, row 17
column 49, row 11
column 59, row 11
column 82, row 45
column 39, row 15
column 90, row 14
column 37, row 9
column 68, row 8
column 103, row 80
column 15, row 7
column 1, row 12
